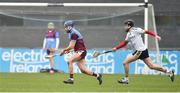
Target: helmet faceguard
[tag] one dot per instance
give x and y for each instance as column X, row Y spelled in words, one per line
column 69, row 24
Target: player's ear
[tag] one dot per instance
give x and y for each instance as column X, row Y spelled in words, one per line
column 129, row 26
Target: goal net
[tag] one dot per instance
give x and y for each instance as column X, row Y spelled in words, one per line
column 100, row 24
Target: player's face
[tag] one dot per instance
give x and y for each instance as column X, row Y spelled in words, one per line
column 127, row 27
column 51, row 27
column 68, row 29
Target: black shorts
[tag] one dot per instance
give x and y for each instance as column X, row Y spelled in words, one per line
column 82, row 53
column 141, row 54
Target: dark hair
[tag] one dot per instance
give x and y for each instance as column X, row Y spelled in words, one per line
column 129, row 22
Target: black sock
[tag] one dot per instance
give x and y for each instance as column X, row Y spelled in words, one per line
column 52, row 68
column 94, row 74
column 71, row 75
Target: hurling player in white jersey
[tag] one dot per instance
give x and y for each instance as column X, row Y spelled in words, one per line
column 134, row 38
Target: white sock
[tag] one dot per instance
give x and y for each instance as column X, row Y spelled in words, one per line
column 97, row 74
column 126, row 78
column 168, row 72
column 71, row 78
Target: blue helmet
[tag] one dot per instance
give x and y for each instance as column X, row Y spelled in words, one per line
column 68, row 23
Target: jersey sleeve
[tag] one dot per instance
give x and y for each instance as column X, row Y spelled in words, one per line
column 57, row 35
column 74, row 37
column 140, row 30
column 127, row 37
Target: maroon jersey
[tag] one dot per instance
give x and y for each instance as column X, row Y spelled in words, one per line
column 76, row 36
column 51, row 34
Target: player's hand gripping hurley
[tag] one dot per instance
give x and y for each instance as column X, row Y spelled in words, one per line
column 96, row 54
column 58, row 54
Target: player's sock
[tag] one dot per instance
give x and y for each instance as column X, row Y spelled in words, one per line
column 168, row 72
column 71, row 76
column 94, row 74
column 52, row 68
column 71, row 79
column 126, row 78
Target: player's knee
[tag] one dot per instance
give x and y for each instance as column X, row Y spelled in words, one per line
column 124, row 63
column 70, row 60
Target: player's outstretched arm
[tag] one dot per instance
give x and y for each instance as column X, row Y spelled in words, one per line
column 122, row 44
column 153, row 34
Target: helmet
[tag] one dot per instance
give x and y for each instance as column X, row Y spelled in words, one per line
column 68, row 23
column 129, row 22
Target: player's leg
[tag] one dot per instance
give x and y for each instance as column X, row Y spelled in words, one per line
column 73, row 58
column 126, row 62
column 85, row 70
column 49, row 52
column 149, row 63
column 130, row 58
column 81, row 64
column 82, row 67
column 51, row 60
column 50, row 45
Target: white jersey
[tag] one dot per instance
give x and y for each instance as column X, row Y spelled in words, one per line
column 135, row 40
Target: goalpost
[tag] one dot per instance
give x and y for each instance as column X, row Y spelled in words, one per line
column 88, row 12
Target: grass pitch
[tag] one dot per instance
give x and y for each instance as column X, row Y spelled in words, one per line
column 44, row 82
